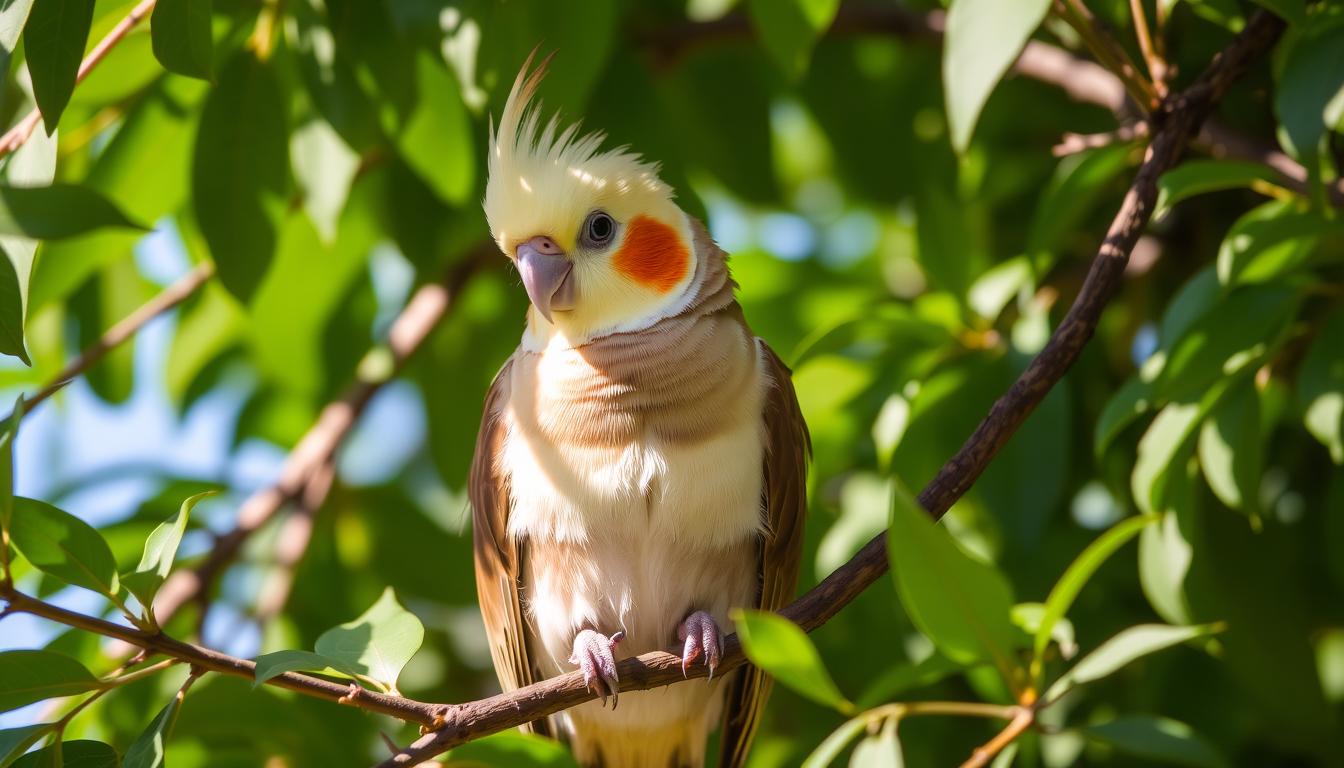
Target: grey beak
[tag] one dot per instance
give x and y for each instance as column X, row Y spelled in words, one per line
column 546, row 275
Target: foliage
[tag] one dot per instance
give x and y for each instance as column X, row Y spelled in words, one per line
column 901, row 233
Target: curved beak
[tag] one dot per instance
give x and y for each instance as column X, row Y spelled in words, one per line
column 546, row 275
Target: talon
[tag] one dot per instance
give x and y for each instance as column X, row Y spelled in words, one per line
column 594, row 654
column 701, row 636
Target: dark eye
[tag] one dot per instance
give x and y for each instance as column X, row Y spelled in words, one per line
column 598, row 229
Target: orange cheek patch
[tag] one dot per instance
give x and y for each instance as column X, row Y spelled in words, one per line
column 653, row 255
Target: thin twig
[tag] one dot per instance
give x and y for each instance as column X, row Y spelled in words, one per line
column 214, row 661
column 21, row 132
column 1108, row 51
column 1157, row 67
column 1073, row 143
column 1182, row 114
column 1016, row 727
column 125, row 328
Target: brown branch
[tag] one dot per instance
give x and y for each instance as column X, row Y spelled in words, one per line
column 1016, row 727
column 16, row 136
column 301, row 477
column 1177, row 121
column 127, row 327
column 1157, row 67
column 214, row 661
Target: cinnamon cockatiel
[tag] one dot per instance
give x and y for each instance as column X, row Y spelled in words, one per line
column 640, row 468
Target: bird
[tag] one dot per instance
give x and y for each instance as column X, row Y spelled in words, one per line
column 641, row 465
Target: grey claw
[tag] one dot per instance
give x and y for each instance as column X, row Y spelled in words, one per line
column 701, row 636
column 594, row 653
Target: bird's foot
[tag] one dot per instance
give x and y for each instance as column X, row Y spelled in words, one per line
column 595, row 654
column 701, row 637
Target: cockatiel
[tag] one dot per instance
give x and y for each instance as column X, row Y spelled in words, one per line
column 640, row 468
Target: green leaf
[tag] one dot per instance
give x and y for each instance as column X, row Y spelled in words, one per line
column 54, row 41
column 1236, row 334
column 962, row 604
column 831, row 747
column 1166, row 552
column 73, row 754
column 324, row 167
column 181, row 34
column 1197, row 177
column 1128, row 403
column 147, row 751
column 240, row 173
column 33, row 164
column 1308, row 100
column 1156, row 738
column 271, row 665
column 15, row 741
column 513, row 748
column 983, row 38
column 1320, row 387
column 378, row 643
column 881, row 750
column 13, row 17
column 1269, row 241
column 57, row 211
column 160, row 551
column 1079, row 571
column 1229, row 448
column 790, row 28
column 29, row 676
column 1169, row 440
column 1122, row 649
column 1077, row 184
column 436, row 139
column 9, row 433
column 60, row 544
column 13, row 300
column 781, row 648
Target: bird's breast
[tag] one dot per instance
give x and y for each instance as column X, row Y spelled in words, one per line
column 658, row 432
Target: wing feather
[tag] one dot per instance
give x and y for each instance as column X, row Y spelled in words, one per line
column 784, row 491
column 499, row 559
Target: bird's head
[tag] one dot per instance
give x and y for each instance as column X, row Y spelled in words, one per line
column 596, row 237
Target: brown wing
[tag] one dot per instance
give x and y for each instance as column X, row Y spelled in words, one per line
column 499, row 559
column 787, row 449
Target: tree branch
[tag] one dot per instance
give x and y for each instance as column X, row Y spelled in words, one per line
column 16, row 136
column 125, row 328
column 214, row 661
column 302, row 477
column 1176, row 121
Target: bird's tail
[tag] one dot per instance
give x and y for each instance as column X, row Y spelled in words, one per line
column 678, row 745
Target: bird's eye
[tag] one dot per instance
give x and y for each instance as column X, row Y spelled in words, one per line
column 599, row 229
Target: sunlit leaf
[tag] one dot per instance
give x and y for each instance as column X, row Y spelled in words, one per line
column 781, row 648
column 378, row 643
column 1320, row 387
column 983, row 39
column 831, row 747
column 58, row 543
column 54, row 42
column 1307, row 99
column 1157, row 738
column 181, row 35
column 436, row 139
column 1122, row 649
column 1229, row 448
column 1198, row 177
column 29, row 676
column 240, row 174
column 961, row 603
column 324, row 167
column 1166, row 551
column 1269, row 241
column 148, row 749
column 271, row 665
column 9, row 433
column 1079, row 571
column 160, row 552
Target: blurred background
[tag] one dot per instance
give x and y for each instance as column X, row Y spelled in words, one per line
column 336, row 165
